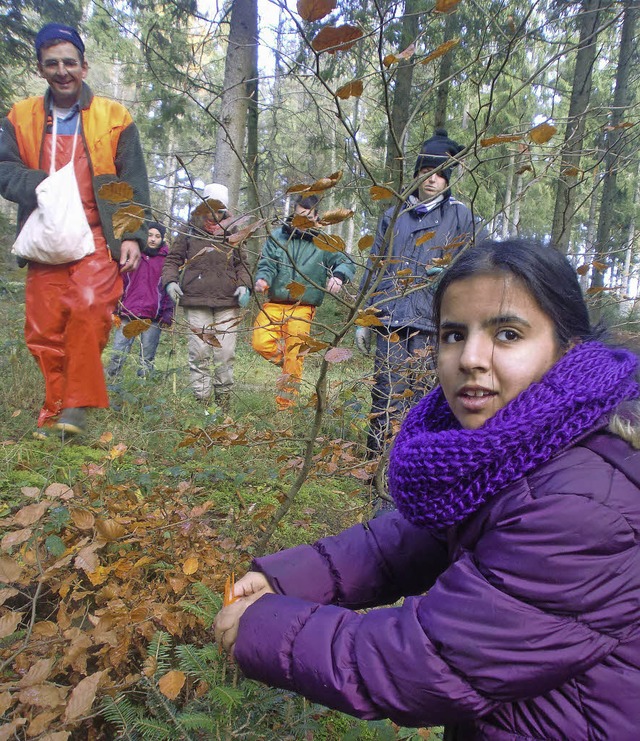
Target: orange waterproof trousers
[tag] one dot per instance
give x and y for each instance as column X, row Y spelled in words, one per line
column 68, row 312
column 277, row 334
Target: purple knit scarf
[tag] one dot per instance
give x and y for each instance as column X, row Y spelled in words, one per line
column 439, row 473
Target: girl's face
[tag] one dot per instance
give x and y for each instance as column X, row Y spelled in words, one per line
column 494, row 342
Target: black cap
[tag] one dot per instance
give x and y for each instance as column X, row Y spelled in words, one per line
column 436, row 151
column 160, row 227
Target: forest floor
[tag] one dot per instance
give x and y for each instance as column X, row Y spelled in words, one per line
column 117, row 546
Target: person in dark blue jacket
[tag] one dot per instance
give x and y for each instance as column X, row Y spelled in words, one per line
column 413, row 244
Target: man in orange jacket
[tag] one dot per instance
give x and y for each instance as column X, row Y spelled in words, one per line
column 68, row 306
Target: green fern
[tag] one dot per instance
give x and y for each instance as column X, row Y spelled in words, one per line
column 202, row 664
column 160, row 648
column 207, row 607
column 122, row 714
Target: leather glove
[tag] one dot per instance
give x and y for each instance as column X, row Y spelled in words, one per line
column 244, row 296
column 174, row 292
column 334, row 285
column 363, row 339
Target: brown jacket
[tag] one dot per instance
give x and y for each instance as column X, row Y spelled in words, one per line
column 207, row 268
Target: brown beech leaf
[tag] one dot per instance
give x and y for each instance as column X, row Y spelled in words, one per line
column 326, row 183
column 127, row 219
column 338, row 355
column 364, row 243
column 352, row 89
column 7, row 593
column 37, row 673
column 329, row 242
column 298, row 188
column 43, row 695
column 42, row 721
column 393, row 58
column 571, row 172
column 368, row 320
column 116, row 192
column 492, row 141
column 394, row 337
column 136, row 327
column 30, row 514
column 206, row 208
column 440, row 51
column 445, row 6
column 117, row 451
column 110, row 529
column 600, row 266
column 336, row 38
column 10, row 570
column 296, row 290
column 191, row 565
column 9, row 730
column 208, row 336
column 583, row 269
column 30, row 491
column 82, row 518
column 58, row 491
column 623, row 125
column 523, row 169
column 300, row 221
column 335, row 216
column 542, row 133
column 9, row 623
column 82, row 697
column 314, row 10
column 312, row 344
column 87, row 559
column 380, row 193
column 15, row 538
column 6, row 701
column 242, row 234
column 56, row 736
column 425, row 238
column 171, row 683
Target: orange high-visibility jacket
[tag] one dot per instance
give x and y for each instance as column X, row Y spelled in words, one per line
column 113, row 150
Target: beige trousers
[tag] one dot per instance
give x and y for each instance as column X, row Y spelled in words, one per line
column 213, row 336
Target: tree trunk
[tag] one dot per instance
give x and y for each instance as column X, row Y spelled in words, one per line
column 238, row 73
column 589, row 21
column 446, row 63
column 613, row 139
column 400, row 109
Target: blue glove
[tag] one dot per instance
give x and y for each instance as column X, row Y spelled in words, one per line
column 244, row 296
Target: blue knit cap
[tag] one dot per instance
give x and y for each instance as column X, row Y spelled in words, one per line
column 58, row 32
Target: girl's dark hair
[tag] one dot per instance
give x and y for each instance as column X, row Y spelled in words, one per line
column 544, row 271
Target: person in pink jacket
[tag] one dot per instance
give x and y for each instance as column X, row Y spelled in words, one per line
column 143, row 298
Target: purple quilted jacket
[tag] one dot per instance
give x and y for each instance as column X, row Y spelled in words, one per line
column 143, row 296
column 521, row 623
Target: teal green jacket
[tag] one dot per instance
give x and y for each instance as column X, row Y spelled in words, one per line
column 289, row 255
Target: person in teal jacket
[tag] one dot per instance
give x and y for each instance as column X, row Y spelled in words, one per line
column 290, row 256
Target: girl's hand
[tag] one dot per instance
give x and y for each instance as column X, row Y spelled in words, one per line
column 246, row 591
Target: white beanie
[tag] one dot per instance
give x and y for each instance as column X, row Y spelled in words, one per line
column 216, row 192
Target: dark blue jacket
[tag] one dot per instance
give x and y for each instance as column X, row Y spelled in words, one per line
column 404, row 295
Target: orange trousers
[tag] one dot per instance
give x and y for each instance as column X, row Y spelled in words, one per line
column 277, row 334
column 68, row 312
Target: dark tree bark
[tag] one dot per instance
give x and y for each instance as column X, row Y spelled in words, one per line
column 400, row 109
column 238, row 76
column 614, row 141
column 589, row 23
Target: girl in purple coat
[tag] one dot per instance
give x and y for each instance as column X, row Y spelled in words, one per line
column 516, row 544
column 143, row 298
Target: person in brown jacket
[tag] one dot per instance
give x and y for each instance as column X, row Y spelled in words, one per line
column 210, row 279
